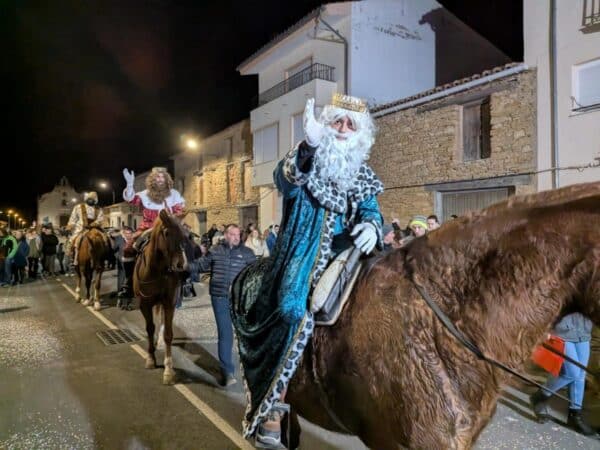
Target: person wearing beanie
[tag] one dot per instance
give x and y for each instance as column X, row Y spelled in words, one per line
column 388, row 237
column 418, row 225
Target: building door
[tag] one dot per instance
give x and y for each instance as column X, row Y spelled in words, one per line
column 248, row 215
column 202, row 228
column 63, row 220
column 461, row 202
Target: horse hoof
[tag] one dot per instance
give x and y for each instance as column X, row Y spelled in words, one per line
column 97, row 306
column 150, row 364
column 85, row 302
column 169, row 379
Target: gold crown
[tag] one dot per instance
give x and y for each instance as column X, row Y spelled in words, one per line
column 159, row 169
column 348, row 102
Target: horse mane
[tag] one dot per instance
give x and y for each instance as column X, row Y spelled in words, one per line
column 519, row 261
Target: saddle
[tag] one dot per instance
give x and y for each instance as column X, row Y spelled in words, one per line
column 334, row 287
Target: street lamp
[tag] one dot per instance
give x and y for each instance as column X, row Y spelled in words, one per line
column 105, row 186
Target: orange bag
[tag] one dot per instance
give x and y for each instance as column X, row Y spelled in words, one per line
column 547, row 360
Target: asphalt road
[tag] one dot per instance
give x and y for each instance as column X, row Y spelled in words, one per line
column 61, row 387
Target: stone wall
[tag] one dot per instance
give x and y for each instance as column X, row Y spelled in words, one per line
column 220, row 184
column 423, row 145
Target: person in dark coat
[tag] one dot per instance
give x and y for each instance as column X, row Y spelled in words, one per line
column 225, row 261
column 20, row 258
column 49, row 247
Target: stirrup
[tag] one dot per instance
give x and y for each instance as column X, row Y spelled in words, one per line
column 272, row 439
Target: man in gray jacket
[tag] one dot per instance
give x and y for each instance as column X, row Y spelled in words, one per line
column 225, row 261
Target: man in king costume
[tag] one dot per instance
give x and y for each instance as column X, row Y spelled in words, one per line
column 84, row 216
column 329, row 204
column 158, row 195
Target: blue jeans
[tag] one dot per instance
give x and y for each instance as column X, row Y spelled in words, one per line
column 8, row 270
column 572, row 375
column 220, row 307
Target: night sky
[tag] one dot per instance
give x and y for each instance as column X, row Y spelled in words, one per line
column 91, row 87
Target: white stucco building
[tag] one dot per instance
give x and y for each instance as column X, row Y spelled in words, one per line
column 122, row 213
column 567, row 57
column 55, row 206
column 379, row 50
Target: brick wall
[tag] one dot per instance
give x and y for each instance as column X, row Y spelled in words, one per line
column 423, row 145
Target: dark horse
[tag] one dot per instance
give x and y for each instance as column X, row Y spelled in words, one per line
column 389, row 370
column 93, row 251
column 157, row 283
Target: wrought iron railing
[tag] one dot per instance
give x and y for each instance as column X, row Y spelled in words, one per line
column 591, row 15
column 315, row 71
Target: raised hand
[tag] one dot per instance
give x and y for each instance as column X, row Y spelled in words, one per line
column 313, row 130
column 129, row 177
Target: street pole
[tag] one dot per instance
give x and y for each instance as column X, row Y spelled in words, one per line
column 113, row 193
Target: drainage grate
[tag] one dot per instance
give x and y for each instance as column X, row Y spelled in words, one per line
column 118, row 336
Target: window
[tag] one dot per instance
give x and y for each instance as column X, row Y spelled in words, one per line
column 265, row 144
column 201, row 190
column 297, row 129
column 586, row 85
column 476, row 130
column 461, row 202
column 228, row 149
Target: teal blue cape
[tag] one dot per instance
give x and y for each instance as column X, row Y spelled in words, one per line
column 270, row 298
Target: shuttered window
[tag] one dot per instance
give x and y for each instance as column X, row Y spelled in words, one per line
column 461, row 202
column 476, row 130
column 265, row 143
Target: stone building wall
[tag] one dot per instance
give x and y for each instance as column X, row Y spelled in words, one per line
column 422, row 145
column 218, row 183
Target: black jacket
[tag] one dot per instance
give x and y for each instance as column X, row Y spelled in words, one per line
column 224, row 264
column 49, row 243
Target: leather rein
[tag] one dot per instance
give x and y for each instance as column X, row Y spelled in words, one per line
column 473, row 348
column 160, row 278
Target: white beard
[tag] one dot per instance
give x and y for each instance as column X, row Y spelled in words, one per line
column 339, row 160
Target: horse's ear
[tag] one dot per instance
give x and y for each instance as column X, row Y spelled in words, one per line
column 164, row 215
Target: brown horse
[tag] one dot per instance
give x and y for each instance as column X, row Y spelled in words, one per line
column 389, row 370
column 157, row 283
column 93, row 251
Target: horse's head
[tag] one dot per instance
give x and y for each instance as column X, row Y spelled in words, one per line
column 169, row 240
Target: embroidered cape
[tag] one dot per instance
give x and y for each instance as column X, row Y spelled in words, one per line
column 270, row 299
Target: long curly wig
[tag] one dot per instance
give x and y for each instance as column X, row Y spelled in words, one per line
column 156, row 193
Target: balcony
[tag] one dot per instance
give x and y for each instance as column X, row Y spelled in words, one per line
column 315, row 71
column 591, row 16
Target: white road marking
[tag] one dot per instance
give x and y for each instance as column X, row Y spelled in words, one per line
column 211, row 415
column 202, row 407
column 100, row 317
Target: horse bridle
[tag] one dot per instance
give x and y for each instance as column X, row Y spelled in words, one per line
column 170, row 271
column 473, row 348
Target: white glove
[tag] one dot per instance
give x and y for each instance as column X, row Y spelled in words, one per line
column 313, row 130
column 366, row 237
column 129, row 177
